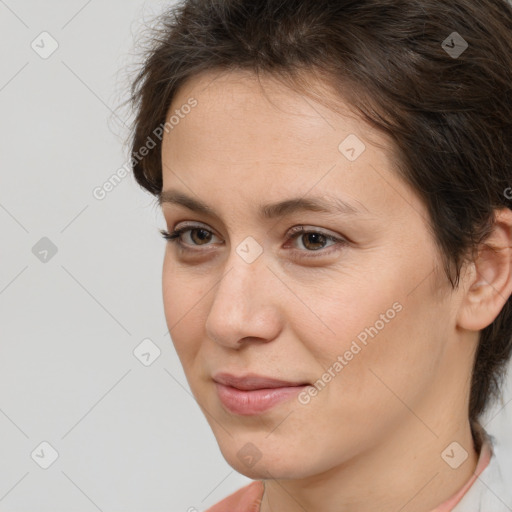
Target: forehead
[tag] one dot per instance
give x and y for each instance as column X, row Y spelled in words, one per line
column 257, row 137
column 242, row 118
column 233, row 106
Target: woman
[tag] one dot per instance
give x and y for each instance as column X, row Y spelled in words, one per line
column 334, row 177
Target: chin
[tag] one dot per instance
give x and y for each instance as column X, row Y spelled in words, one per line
column 269, row 469
column 255, row 461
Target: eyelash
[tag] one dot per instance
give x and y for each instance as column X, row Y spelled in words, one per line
column 296, row 232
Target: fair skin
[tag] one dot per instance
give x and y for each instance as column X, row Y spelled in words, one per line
column 372, row 439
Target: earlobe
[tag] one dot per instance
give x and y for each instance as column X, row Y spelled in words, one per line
column 489, row 285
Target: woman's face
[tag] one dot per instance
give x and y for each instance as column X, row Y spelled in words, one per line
column 363, row 312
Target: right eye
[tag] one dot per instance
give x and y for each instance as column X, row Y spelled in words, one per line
column 197, row 234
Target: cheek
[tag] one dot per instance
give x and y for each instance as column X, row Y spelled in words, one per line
column 353, row 312
column 382, row 342
column 182, row 291
column 183, row 301
column 389, row 358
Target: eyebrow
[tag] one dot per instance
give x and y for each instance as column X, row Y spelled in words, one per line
column 326, row 204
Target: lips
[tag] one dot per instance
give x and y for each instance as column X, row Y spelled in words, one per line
column 253, row 394
column 253, row 381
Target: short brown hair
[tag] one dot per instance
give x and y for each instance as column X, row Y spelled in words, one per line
column 448, row 113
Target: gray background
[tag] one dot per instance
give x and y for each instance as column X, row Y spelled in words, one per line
column 129, row 437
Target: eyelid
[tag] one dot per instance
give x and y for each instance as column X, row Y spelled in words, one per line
column 190, row 224
column 303, row 228
column 184, row 227
column 295, row 232
column 291, row 235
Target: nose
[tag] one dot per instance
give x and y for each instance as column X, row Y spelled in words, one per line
column 245, row 306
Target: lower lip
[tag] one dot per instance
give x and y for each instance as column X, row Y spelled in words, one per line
column 254, row 401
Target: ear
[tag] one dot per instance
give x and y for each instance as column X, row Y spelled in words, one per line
column 490, row 280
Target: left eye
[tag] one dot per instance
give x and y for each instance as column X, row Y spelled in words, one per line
column 312, row 241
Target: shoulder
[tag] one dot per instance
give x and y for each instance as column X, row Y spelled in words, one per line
column 246, row 499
